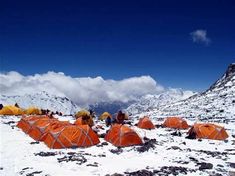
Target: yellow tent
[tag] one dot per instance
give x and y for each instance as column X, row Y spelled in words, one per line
column 82, row 113
column 33, row 111
column 84, row 118
column 126, row 116
column 84, row 121
column 11, row 110
column 105, row 115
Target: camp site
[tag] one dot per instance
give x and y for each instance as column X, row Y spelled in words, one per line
column 55, row 143
column 117, row 88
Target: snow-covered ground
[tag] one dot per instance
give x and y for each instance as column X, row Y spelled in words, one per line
column 167, row 155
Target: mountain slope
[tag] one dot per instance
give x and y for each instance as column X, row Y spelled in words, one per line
column 150, row 102
column 42, row 100
column 218, row 102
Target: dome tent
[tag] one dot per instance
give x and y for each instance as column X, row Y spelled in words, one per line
column 207, row 131
column 84, row 118
column 41, row 127
column 33, row 111
column 11, row 110
column 71, row 136
column 26, row 122
column 145, row 123
column 82, row 113
column 175, row 122
column 122, row 136
column 105, row 115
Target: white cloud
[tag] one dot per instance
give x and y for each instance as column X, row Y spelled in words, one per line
column 82, row 91
column 200, row 36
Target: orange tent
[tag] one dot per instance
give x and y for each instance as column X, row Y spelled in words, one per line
column 26, row 123
column 42, row 126
column 79, row 121
column 52, row 126
column 176, row 122
column 71, row 136
column 208, row 131
column 122, row 136
column 145, row 123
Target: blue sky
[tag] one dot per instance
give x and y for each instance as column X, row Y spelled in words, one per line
column 120, row 39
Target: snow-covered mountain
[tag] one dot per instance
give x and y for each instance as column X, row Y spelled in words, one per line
column 42, row 100
column 217, row 103
column 150, row 102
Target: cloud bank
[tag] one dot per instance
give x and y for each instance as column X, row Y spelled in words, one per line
column 83, row 91
column 200, row 36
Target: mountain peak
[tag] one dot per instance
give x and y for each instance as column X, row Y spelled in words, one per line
column 231, row 70
column 227, row 80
